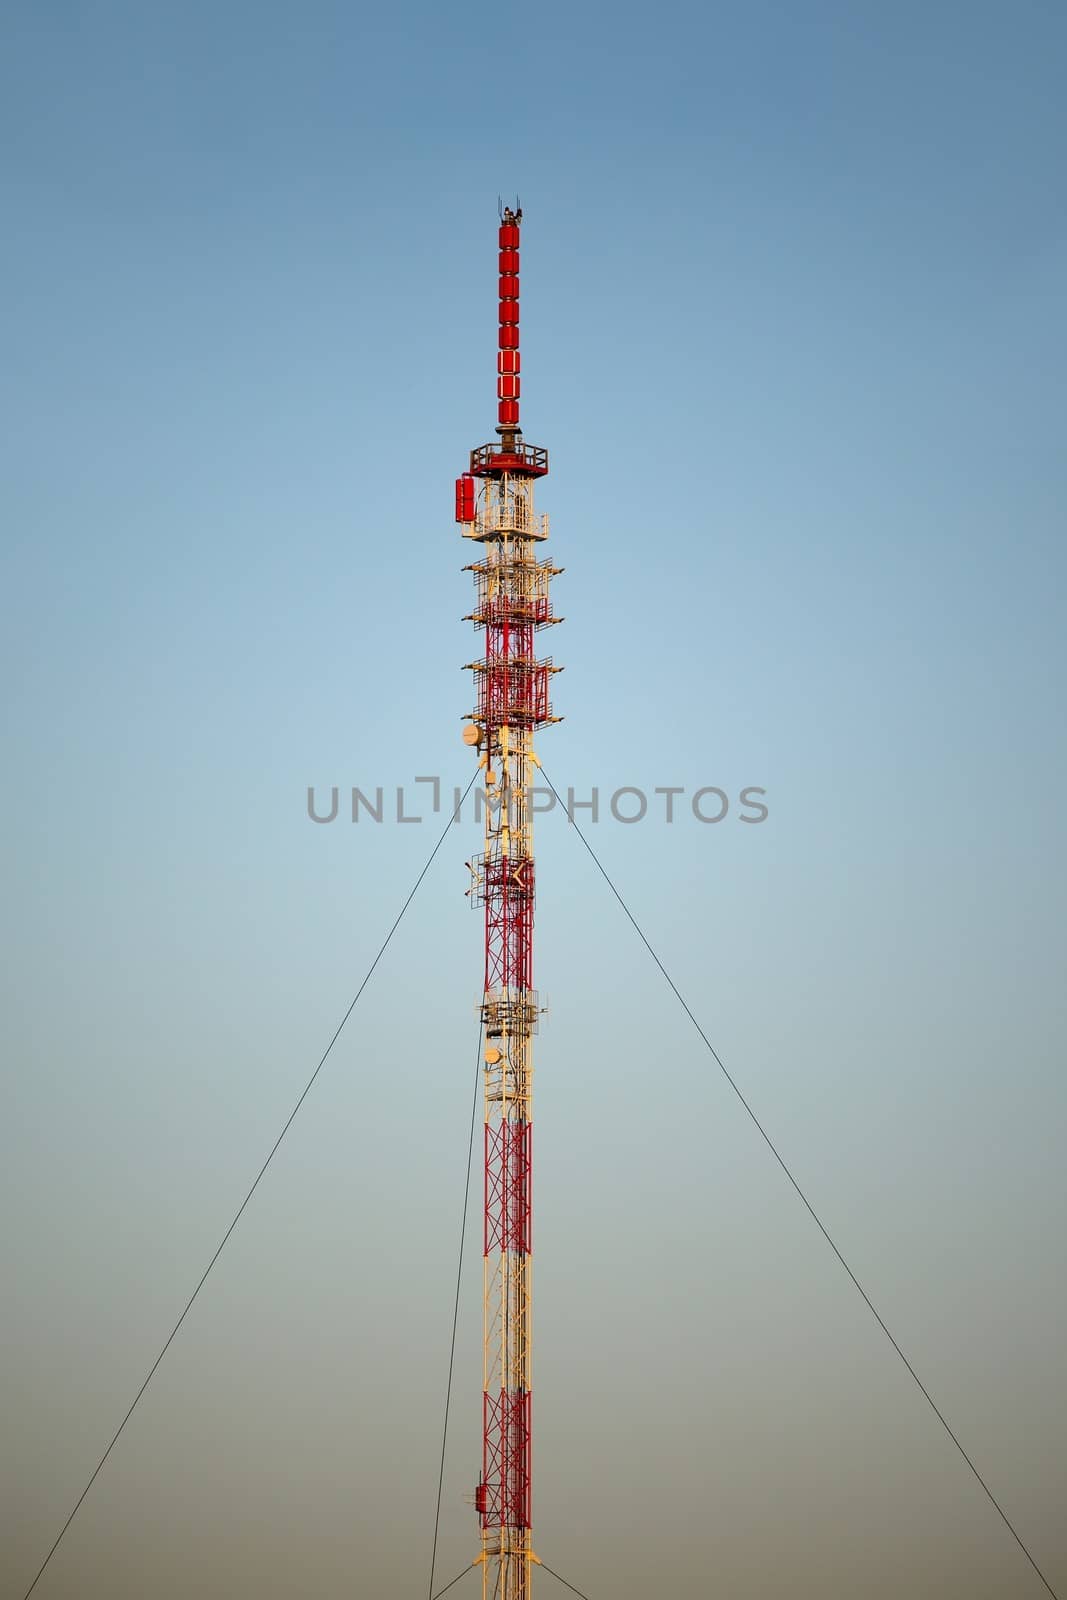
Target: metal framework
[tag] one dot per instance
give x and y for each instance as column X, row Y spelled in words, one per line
column 495, row 508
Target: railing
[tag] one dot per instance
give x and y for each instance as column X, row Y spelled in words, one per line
column 513, row 690
column 532, row 458
column 514, row 515
column 506, row 1011
column 493, row 610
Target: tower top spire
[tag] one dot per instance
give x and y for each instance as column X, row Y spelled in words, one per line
column 508, row 365
column 510, row 454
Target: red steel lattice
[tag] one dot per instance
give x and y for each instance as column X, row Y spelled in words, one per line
column 508, row 1183
column 505, row 1481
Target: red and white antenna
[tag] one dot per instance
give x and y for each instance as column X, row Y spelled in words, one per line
column 495, row 507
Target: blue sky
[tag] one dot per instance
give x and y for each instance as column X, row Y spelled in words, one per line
column 793, row 333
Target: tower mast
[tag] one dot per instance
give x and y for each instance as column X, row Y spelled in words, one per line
column 495, row 508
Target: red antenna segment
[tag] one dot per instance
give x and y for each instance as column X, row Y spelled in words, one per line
column 509, row 361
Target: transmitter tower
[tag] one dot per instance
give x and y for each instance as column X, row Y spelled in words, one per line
column 512, row 604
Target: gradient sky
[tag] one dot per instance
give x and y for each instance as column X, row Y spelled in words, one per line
column 793, row 330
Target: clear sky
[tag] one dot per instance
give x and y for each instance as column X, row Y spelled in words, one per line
column 793, row 328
